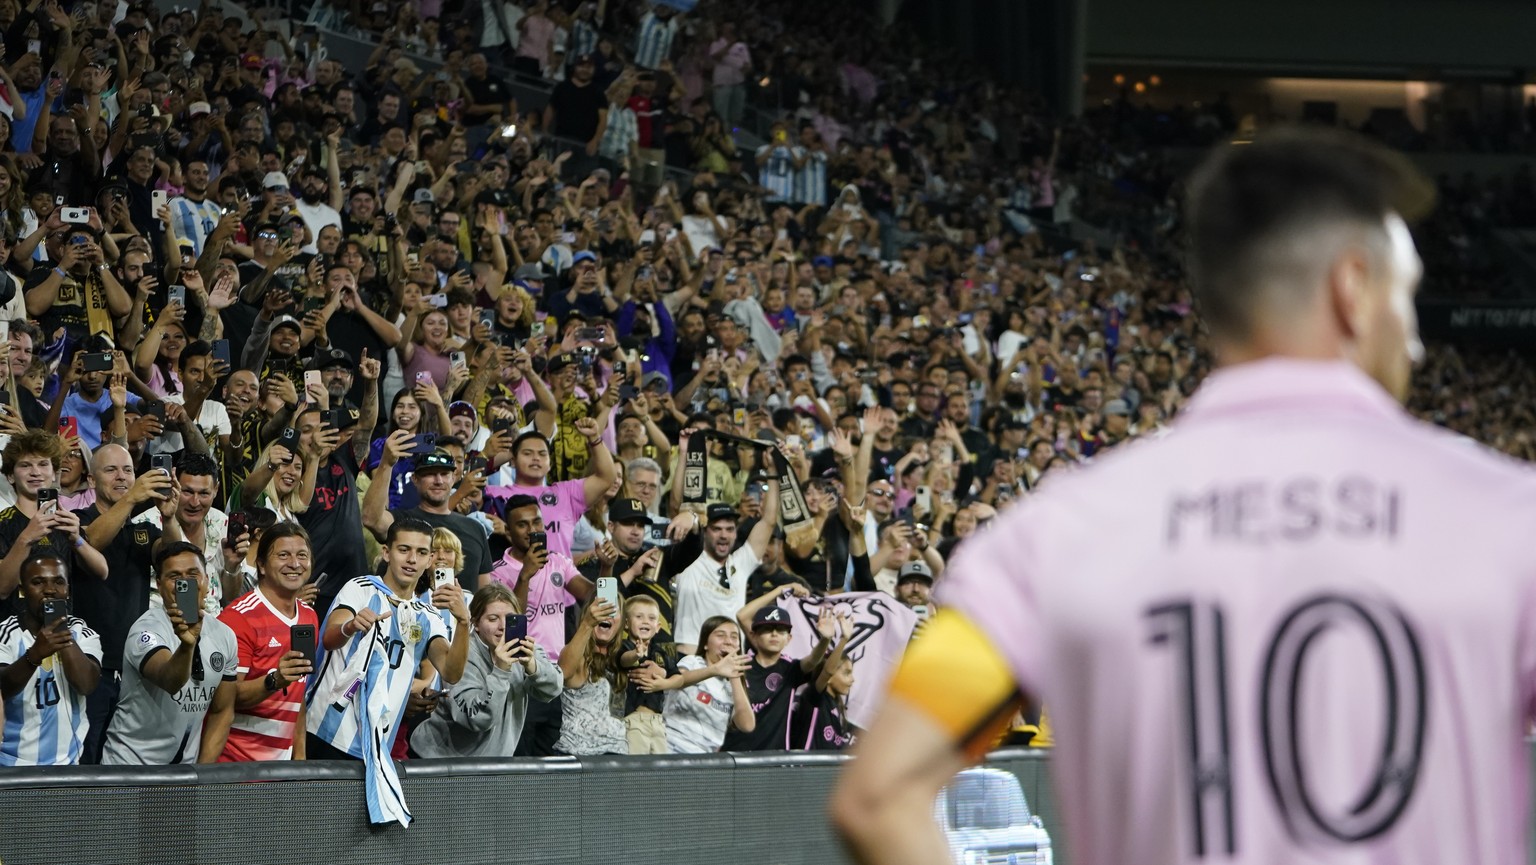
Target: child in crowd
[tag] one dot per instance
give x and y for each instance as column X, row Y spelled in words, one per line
column 587, row 724
column 772, row 679
column 698, row 715
column 652, row 668
column 820, row 720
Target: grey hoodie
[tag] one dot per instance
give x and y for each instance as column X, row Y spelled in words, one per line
column 484, row 713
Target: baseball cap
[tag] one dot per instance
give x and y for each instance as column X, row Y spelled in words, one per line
column 530, row 271
column 914, row 571
column 349, row 415
column 651, row 379
column 423, row 196
column 561, row 361
column 275, row 180
column 1117, row 407
column 719, row 511
column 334, row 358
column 460, row 408
column 628, row 511
column 198, row 108
column 435, row 461
column 251, row 61
column 771, row 617
column 822, row 261
column 584, row 255
column 287, row 321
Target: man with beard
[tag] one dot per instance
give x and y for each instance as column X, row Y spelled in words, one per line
column 434, row 477
column 716, row 583
column 63, row 296
column 320, row 193
column 193, row 214
column 112, row 605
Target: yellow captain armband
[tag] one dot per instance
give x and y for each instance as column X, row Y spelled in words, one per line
column 956, row 676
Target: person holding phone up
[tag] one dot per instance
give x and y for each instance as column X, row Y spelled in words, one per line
column 484, row 713
column 178, row 691
column 49, row 663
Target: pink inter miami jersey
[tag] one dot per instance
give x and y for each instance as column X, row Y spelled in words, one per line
column 1300, row 628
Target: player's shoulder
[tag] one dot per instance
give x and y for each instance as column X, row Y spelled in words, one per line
column 81, row 627
column 10, row 629
column 246, row 604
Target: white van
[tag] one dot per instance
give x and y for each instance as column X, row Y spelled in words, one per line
column 988, row 822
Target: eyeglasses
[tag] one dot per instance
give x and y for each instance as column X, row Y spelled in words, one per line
column 725, row 582
column 266, row 235
column 884, row 494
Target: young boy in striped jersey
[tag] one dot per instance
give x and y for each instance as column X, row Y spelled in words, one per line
column 46, row 671
column 376, row 636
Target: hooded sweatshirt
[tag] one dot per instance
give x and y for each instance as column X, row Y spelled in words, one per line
column 485, row 710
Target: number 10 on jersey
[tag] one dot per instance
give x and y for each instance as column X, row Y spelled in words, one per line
column 1196, row 635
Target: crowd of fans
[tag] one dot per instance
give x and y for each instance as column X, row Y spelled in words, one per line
column 394, row 419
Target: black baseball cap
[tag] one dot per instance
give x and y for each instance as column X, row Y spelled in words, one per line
column 435, row 461
column 628, row 511
column 720, row 511
column 771, row 617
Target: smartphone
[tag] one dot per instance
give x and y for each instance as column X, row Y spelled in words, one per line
column 313, row 379
column 501, row 424
column 536, row 329
column 176, row 294
column 237, row 526
column 591, row 334
column 54, row 610
column 475, row 464
column 289, row 439
column 628, row 393
column 456, row 358
column 96, row 361
column 535, row 539
column 221, row 351
column 608, row 590
column 301, row 639
column 425, row 378
column 163, row 462
column 69, row 425
column 158, row 198
column 438, row 300
column 335, row 417
column 75, row 216
column 924, row 499
column 792, row 440
column 739, row 416
column 516, row 627
column 156, row 409
column 620, row 369
column 423, row 444
column 48, row 500
column 488, row 317
column 442, row 577
column 186, row 601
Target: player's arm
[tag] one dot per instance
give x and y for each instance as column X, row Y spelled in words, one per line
column 221, row 713
column 951, row 698
column 449, row 658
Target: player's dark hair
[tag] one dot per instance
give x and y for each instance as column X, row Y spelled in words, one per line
column 196, row 465
column 1246, row 201
column 407, row 524
column 520, row 501
column 36, row 555
column 276, row 532
column 176, row 548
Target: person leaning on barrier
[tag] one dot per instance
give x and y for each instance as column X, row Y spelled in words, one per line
column 178, row 690
column 484, row 711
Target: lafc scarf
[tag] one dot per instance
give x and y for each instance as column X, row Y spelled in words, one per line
column 98, row 318
column 799, row 527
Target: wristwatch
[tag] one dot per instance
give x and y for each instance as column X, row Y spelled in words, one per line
column 271, row 681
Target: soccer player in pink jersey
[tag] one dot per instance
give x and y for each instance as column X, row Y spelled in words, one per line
column 1300, row 627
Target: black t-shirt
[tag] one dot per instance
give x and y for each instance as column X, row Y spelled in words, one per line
column 477, row 553
column 659, row 591
column 68, row 310
column 12, row 523
column 769, row 690
column 826, row 567
column 239, row 320
column 111, row 606
column 489, row 90
column 663, row 655
column 576, row 110
column 818, row 723
column 334, row 521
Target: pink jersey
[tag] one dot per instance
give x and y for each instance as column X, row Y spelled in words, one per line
column 561, row 506
column 547, row 597
column 1300, row 628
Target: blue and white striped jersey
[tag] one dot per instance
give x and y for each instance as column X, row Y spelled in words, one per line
column 194, row 220
column 654, row 42
column 379, row 665
column 45, row 724
column 776, row 171
column 811, row 178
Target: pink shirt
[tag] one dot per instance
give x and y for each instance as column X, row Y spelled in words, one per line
column 547, row 597
column 1311, row 542
column 560, row 504
column 731, row 65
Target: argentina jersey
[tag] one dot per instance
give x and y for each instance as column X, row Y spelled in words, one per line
column 373, row 672
column 811, row 178
column 777, row 174
column 45, row 723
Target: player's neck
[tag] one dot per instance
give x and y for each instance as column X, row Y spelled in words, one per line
column 284, row 602
column 766, row 658
column 404, row 590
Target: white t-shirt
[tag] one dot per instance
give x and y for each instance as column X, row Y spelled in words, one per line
column 699, row 594
column 698, row 715
column 316, row 217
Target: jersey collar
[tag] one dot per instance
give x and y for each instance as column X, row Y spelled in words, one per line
column 1284, row 383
